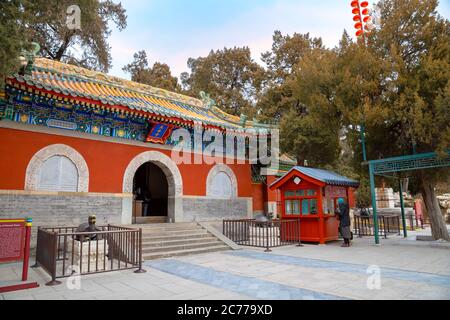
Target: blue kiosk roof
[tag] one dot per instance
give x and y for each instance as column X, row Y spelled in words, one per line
column 325, row 176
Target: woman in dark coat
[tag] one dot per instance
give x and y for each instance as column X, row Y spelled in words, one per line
column 344, row 222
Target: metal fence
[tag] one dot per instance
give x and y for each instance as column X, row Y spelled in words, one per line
column 269, row 234
column 388, row 225
column 61, row 251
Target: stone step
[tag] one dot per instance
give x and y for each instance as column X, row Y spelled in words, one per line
column 168, row 237
column 185, row 246
column 161, row 230
column 165, row 243
column 184, row 225
column 168, row 254
column 150, row 220
column 173, row 233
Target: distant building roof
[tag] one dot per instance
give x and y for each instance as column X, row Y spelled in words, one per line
column 325, row 176
column 287, row 159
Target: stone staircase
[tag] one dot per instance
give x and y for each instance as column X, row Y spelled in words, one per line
column 177, row 239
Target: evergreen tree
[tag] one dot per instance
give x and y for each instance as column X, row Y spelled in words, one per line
column 287, row 51
column 158, row 76
column 230, row 76
column 397, row 83
column 13, row 35
column 311, row 129
column 87, row 47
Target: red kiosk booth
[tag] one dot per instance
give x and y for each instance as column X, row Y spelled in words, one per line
column 311, row 195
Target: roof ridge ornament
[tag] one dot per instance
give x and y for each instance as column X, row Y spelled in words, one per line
column 27, row 58
column 208, row 102
column 243, row 120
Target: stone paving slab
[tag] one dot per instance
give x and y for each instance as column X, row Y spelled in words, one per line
column 428, row 278
column 309, row 272
column 364, row 251
column 249, row 286
column 323, row 279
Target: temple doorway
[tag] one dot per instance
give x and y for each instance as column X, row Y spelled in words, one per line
column 150, row 195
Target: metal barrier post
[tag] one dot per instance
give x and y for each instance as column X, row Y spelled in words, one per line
column 266, row 227
column 54, row 246
column 36, row 263
column 140, row 270
column 299, row 229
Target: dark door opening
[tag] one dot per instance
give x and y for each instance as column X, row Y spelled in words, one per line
column 150, row 190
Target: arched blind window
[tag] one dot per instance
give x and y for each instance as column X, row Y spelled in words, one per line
column 58, row 173
column 221, row 186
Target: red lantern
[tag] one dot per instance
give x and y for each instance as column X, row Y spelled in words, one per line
column 361, row 16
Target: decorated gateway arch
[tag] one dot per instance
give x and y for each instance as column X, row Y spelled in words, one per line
column 75, row 142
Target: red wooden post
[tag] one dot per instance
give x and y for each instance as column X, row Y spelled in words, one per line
column 322, row 230
column 26, row 256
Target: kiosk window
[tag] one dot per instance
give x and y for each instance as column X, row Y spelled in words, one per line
column 296, row 207
column 289, row 194
column 292, row 207
column 328, row 206
column 288, row 205
column 305, row 207
column 309, row 206
column 313, row 203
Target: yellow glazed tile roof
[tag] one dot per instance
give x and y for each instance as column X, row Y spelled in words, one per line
column 73, row 82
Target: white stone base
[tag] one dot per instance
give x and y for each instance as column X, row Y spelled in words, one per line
column 263, row 233
column 385, row 198
column 92, row 260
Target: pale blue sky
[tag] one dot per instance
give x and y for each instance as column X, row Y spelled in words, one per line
column 172, row 31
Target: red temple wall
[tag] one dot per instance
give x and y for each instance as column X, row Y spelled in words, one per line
column 106, row 161
column 258, row 196
column 271, row 194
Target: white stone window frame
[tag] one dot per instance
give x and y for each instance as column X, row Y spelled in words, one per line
column 221, row 168
column 38, row 159
column 58, row 173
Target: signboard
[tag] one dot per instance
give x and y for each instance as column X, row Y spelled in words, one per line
column 12, row 239
column 159, row 133
column 335, row 192
column 15, row 245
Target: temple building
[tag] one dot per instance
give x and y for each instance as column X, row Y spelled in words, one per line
column 76, row 142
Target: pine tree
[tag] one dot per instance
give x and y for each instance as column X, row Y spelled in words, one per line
column 158, row 76
column 397, row 83
column 13, row 35
column 86, row 47
column 230, row 76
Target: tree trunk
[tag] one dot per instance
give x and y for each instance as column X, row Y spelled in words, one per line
column 438, row 227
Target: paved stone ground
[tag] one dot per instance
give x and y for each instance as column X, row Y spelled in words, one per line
column 309, row 272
